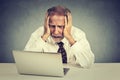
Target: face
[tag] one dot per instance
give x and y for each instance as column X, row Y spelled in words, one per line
column 56, row 25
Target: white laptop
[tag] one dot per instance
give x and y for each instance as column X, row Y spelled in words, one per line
column 38, row 63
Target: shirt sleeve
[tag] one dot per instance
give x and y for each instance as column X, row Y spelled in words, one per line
column 36, row 43
column 82, row 51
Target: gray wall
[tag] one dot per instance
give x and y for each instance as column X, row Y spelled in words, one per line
column 99, row 19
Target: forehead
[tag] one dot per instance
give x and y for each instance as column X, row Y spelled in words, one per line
column 57, row 18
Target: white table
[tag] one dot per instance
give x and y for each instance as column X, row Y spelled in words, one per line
column 99, row 71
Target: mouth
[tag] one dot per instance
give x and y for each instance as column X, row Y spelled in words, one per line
column 57, row 36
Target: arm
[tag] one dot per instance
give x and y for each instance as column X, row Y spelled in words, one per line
column 35, row 43
column 82, row 51
column 80, row 47
column 38, row 39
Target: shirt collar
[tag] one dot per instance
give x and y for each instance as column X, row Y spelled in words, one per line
column 50, row 40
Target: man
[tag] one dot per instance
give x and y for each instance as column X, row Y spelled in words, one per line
column 58, row 28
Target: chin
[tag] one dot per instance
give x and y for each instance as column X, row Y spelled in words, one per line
column 57, row 39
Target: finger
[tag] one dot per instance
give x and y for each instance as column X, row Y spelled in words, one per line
column 46, row 15
column 65, row 21
column 69, row 19
column 46, row 26
column 47, row 22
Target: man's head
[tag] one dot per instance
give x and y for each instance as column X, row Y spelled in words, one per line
column 57, row 16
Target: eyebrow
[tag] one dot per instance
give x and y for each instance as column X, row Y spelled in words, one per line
column 55, row 25
column 60, row 26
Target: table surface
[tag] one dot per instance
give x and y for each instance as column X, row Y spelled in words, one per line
column 98, row 71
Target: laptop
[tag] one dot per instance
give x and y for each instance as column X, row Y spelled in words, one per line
column 38, row 63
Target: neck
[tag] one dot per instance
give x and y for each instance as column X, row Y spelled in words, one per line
column 57, row 39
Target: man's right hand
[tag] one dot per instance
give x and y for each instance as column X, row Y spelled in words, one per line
column 46, row 28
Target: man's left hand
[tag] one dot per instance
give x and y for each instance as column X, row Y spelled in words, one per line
column 67, row 29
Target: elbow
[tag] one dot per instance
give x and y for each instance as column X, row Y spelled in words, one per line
column 86, row 63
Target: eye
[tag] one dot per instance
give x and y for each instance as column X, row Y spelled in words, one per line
column 60, row 26
column 52, row 26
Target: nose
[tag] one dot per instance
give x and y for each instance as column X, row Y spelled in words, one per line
column 56, row 30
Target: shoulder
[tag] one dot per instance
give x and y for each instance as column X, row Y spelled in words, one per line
column 77, row 31
column 38, row 32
